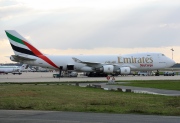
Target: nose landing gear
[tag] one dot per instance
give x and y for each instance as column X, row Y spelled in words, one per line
column 157, row 73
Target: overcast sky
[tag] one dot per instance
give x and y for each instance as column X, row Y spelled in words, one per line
column 93, row 26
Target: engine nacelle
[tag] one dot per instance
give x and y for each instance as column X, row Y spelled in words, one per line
column 105, row 69
column 12, row 59
column 108, row 68
column 125, row 70
column 114, row 69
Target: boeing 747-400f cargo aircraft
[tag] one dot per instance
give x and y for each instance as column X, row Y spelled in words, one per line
column 119, row 64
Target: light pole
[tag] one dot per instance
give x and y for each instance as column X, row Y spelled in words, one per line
column 172, row 52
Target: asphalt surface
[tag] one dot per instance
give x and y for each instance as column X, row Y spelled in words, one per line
column 23, row 116
column 48, row 77
column 136, row 89
column 19, row 116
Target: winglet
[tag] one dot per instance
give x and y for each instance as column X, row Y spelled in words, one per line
column 76, row 60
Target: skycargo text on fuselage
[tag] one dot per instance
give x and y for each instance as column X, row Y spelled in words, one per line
column 135, row 59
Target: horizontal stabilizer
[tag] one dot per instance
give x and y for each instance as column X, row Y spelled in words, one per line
column 19, row 58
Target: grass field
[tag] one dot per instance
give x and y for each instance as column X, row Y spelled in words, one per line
column 73, row 98
column 160, row 84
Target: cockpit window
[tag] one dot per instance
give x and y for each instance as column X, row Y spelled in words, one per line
column 163, row 55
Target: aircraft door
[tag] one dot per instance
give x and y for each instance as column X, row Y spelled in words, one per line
column 70, row 67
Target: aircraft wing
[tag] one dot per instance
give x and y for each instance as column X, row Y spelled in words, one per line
column 85, row 62
column 90, row 64
column 98, row 64
column 93, row 64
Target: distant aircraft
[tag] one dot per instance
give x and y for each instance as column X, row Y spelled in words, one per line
column 119, row 64
column 12, row 69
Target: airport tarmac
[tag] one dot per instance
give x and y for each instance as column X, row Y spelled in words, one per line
column 24, row 116
column 48, row 77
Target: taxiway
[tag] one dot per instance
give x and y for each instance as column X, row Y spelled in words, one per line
column 48, row 77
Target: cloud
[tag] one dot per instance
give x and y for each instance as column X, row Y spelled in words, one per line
column 11, row 11
column 83, row 27
column 97, row 24
column 90, row 29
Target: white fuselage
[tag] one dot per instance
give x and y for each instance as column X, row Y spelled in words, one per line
column 9, row 69
column 136, row 61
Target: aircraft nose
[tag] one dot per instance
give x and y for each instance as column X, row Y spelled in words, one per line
column 171, row 62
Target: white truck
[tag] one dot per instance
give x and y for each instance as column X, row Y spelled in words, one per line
column 146, row 73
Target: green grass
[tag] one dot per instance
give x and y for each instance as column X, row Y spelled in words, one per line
column 73, row 98
column 160, row 84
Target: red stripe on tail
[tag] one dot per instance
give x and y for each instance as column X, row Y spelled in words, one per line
column 39, row 54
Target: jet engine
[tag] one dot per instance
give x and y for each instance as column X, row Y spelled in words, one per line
column 125, row 70
column 108, row 68
column 11, row 58
column 114, row 69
